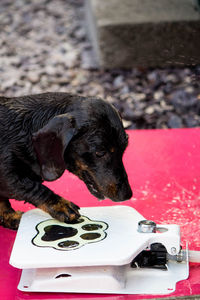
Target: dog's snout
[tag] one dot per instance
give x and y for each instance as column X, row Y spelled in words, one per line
column 119, row 192
column 125, row 193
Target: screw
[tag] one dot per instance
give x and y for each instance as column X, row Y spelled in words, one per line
column 173, row 250
column 146, row 226
column 180, row 256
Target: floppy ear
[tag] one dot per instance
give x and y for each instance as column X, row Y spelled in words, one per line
column 50, row 143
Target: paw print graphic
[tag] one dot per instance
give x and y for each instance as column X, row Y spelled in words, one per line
column 69, row 236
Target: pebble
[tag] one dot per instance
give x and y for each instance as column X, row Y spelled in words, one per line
column 80, row 33
column 182, row 100
column 162, row 122
column 191, row 120
column 70, row 59
column 174, row 121
column 172, row 78
column 139, row 96
column 128, row 114
column 118, row 81
column 158, row 95
column 126, row 123
column 33, row 77
column 149, row 110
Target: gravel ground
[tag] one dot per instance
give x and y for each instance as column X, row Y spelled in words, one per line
column 43, row 47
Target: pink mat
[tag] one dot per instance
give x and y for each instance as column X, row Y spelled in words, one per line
column 164, row 171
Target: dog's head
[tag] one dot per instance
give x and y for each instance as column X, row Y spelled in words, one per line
column 89, row 141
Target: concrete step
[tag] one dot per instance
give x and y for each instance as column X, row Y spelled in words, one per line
column 146, row 33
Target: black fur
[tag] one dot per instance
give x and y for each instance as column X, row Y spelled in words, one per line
column 42, row 135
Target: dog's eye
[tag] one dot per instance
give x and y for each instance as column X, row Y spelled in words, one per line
column 100, row 153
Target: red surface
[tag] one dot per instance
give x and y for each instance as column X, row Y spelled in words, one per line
column 164, row 171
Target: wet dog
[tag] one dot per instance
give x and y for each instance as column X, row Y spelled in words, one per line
column 42, row 135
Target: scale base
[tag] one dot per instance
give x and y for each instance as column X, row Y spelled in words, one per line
column 108, row 279
column 106, row 266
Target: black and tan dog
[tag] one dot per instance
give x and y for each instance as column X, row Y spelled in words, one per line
column 42, row 135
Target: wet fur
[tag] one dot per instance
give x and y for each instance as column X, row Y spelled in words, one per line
column 42, row 135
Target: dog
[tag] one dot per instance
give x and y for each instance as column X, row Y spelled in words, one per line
column 42, row 135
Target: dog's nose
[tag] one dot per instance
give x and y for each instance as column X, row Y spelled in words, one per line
column 128, row 194
column 124, row 193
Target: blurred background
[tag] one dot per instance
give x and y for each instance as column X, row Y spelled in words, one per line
column 143, row 56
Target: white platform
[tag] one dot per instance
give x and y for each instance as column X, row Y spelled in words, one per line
column 97, row 267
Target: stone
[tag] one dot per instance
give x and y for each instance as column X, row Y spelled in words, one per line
column 126, row 123
column 80, row 33
column 149, row 110
column 158, row 95
column 128, row 114
column 162, row 122
column 8, row 83
column 182, row 100
column 139, row 96
column 118, row 81
column 33, row 77
column 125, row 90
column 175, row 121
column 71, row 59
column 165, row 106
column 191, row 120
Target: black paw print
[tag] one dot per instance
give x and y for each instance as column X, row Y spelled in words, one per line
column 65, row 236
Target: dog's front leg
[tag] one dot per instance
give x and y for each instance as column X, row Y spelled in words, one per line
column 42, row 197
column 8, row 217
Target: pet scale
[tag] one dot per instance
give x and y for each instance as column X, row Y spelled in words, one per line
column 111, row 250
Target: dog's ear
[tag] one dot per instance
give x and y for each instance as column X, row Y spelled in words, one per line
column 50, row 143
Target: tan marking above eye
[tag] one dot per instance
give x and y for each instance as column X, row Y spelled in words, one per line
column 112, row 150
column 81, row 165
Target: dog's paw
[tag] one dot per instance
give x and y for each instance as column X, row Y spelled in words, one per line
column 63, row 210
column 11, row 220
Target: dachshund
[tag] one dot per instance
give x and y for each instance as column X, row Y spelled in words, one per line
column 43, row 135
